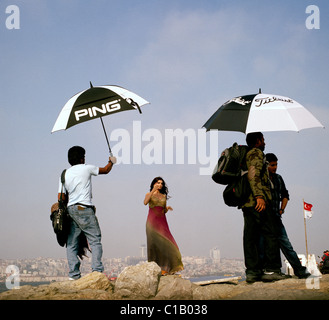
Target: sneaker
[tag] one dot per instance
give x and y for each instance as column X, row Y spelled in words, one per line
column 273, row 276
column 304, row 275
column 251, row 278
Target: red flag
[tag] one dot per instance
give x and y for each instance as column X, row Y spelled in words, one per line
column 308, row 210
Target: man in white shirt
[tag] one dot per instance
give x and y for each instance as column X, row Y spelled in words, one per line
column 81, row 210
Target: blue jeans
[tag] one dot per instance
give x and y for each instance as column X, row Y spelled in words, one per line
column 83, row 220
column 288, row 250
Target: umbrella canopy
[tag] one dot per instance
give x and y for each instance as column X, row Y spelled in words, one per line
column 261, row 112
column 97, row 102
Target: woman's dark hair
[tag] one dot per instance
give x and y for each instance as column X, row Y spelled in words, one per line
column 75, row 155
column 163, row 190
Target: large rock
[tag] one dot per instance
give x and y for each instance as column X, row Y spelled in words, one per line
column 92, row 286
column 173, row 287
column 95, row 280
column 215, row 291
column 138, row 282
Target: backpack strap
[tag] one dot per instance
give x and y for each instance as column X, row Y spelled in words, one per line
column 63, row 176
column 243, row 162
column 63, row 181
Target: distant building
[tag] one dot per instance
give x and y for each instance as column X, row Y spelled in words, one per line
column 215, row 255
column 131, row 261
column 143, row 251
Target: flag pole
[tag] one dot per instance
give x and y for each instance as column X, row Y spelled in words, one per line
column 305, row 232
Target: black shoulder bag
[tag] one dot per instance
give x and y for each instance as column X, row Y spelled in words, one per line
column 60, row 218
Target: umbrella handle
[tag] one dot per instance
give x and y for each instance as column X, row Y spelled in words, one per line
column 111, row 154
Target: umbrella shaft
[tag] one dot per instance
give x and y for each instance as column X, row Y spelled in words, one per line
column 106, row 137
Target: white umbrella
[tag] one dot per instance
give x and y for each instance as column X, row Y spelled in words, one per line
column 261, row 112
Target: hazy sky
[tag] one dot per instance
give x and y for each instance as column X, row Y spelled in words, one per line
column 186, row 58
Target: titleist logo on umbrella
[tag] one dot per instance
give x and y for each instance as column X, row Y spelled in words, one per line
column 94, row 111
column 265, row 100
column 238, row 100
column 261, row 112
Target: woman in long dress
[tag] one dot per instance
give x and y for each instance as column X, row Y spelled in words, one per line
column 161, row 245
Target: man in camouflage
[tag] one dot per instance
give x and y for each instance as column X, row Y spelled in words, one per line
column 258, row 220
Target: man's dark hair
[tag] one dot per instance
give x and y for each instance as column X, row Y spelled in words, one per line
column 270, row 157
column 75, row 155
column 252, row 138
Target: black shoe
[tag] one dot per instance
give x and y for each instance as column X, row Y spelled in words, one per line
column 304, row 275
column 273, row 276
column 251, row 278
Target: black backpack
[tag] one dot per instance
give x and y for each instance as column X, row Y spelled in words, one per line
column 231, row 170
column 231, row 164
column 60, row 218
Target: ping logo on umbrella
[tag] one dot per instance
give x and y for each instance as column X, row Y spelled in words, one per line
column 94, row 111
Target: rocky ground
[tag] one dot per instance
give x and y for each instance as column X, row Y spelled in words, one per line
column 143, row 282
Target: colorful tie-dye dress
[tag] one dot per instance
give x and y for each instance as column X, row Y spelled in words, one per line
column 161, row 245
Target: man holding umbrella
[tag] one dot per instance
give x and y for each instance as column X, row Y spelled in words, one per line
column 258, row 219
column 81, row 210
column 251, row 114
column 95, row 102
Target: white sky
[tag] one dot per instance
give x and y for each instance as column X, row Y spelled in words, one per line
column 186, row 58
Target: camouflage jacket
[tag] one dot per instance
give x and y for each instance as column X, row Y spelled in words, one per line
column 258, row 177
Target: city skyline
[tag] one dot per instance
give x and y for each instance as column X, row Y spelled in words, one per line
column 141, row 251
column 39, row 270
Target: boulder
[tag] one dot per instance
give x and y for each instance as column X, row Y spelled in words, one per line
column 95, row 280
column 172, row 287
column 138, row 282
column 92, row 286
column 215, row 291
